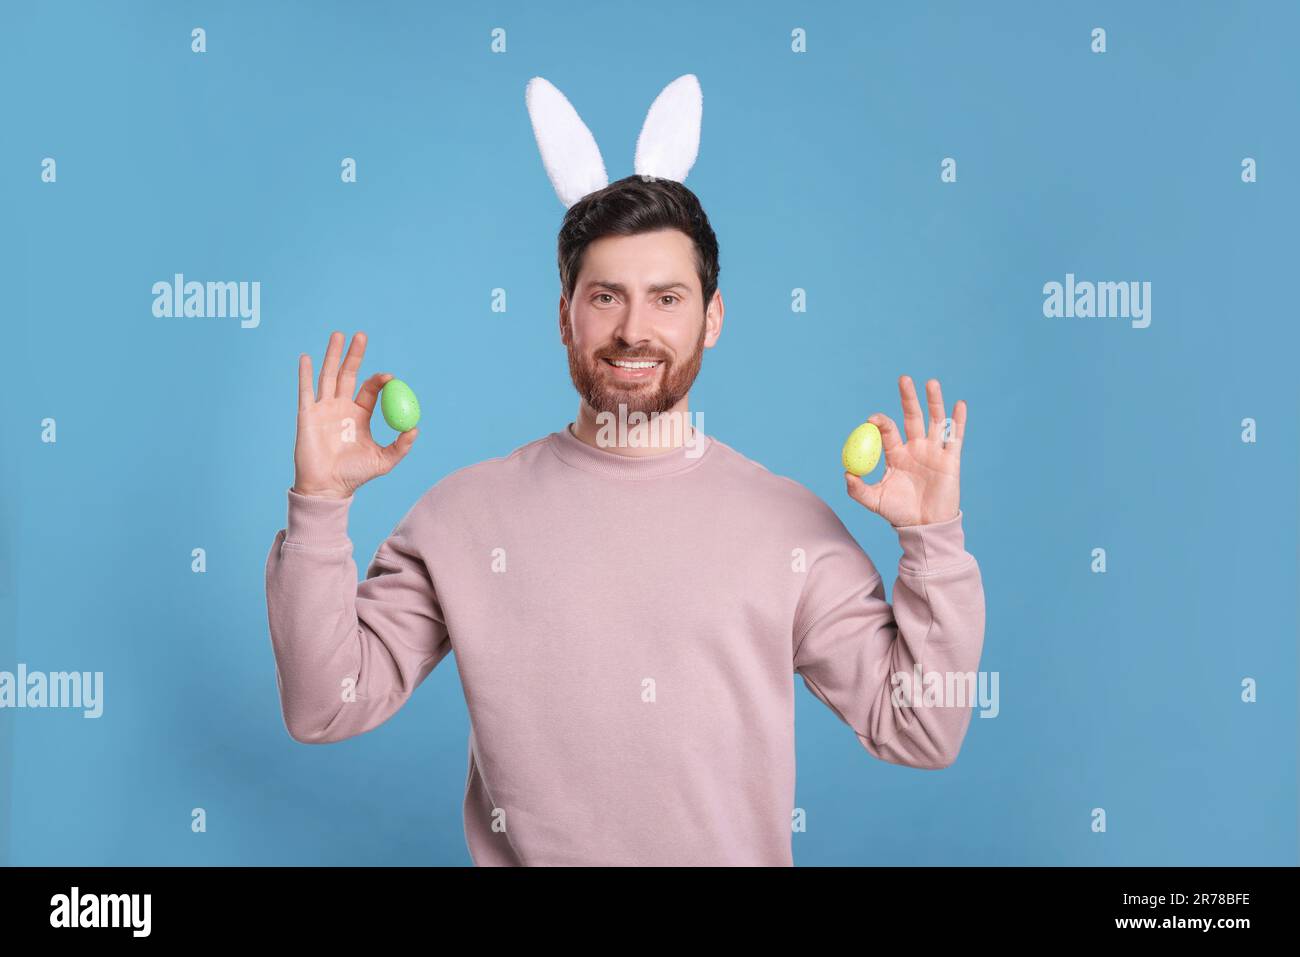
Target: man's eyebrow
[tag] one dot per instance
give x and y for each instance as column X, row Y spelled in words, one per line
column 656, row 287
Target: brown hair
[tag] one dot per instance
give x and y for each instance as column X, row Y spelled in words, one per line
column 633, row 205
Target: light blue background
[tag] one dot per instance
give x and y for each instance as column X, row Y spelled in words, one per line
column 818, row 171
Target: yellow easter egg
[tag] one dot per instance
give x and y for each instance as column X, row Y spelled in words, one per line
column 861, row 449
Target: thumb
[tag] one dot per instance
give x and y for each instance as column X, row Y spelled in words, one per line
column 394, row 452
column 865, row 493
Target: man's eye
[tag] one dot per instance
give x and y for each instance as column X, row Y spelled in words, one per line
column 600, row 294
column 667, row 296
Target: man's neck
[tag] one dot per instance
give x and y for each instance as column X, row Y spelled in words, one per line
column 630, row 433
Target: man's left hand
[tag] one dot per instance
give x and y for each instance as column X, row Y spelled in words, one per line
column 920, row 484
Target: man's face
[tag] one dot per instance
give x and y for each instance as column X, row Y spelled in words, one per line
column 638, row 300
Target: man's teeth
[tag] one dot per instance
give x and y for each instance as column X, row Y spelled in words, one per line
column 630, row 364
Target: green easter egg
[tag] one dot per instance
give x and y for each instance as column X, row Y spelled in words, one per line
column 861, row 449
column 400, row 407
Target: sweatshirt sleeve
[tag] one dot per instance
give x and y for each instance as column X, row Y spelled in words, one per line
column 348, row 655
column 861, row 656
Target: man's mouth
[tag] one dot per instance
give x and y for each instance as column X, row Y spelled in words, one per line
column 633, row 368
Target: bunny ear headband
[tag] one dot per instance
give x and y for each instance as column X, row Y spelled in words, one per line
column 666, row 148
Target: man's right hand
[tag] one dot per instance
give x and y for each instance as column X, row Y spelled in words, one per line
column 334, row 453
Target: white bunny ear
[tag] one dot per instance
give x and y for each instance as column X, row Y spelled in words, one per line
column 670, row 136
column 568, row 149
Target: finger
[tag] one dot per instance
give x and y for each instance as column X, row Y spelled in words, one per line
column 329, row 371
column 351, row 363
column 396, row 451
column 913, row 422
column 890, row 441
column 306, row 395
column 959, row 421
column 865, row 493
column 369, row 393
column 938, row 417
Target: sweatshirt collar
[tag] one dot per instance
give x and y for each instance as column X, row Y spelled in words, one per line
column 573, row 451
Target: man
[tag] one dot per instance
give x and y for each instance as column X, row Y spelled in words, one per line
column 627, row 606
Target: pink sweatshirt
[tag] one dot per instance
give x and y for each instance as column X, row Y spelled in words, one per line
column 626, row 631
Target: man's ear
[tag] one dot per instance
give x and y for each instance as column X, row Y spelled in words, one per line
column 566, row 333
column 713, row 320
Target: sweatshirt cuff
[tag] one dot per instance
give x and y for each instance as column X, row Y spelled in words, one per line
column 317, row 520
column 933, row 547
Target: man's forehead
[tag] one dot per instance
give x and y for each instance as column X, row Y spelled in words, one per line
column 654, row 261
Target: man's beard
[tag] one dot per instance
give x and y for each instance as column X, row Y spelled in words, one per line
column 603, row 394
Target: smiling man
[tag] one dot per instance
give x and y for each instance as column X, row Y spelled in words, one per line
column 627, row 616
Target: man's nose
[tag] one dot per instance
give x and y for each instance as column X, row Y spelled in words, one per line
column 634, row 328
